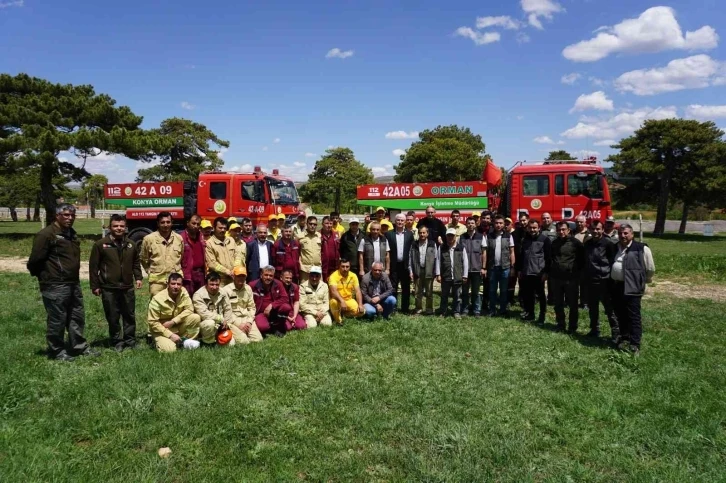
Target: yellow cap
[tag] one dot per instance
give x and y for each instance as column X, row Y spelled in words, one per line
column 239, row 270
column 205, row 224
column 380, row 208
column 234, row 226
column 508, row 219
column 476, row 213
column 387, row 223
column 272, row 217
column 280, row 216
column 232, row 219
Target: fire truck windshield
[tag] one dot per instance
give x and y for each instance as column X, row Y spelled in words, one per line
column 589, row 185
column 283, row 192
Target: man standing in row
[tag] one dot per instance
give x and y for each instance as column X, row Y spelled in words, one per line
column 247, row 234
column 499, row 259
column 632, row 269
column 454, row 270
column 115, row 272
column 600, row 254
column 582, row 234
column 222, row 253
column 161, row 253
column 472, row 242
column 424, row 267
column 610, row 230
column 56, row 261
column 549, row 229
column 436, row 227
column 533, row 265
column 373, row 248
column 329, row 248
column 411, row 224
column 298, row 230
column 399, row 242
column 337, row 225
column 310, row 249
column 349, row 244
column 259, row 254
column 286, row 255
column 193, row 257
column 568, row 258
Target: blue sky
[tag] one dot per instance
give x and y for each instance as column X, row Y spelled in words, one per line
column 528, row 76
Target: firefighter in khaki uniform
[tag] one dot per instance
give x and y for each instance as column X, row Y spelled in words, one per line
column 161, row 253
column 310, row 249
column 315, row 300
column 223, row 253
column 243, row 307
column 213, row 306
column 171, row 315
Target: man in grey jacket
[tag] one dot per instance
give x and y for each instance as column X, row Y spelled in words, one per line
column 377, row 292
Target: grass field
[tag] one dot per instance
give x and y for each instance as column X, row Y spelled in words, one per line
column 416, row 399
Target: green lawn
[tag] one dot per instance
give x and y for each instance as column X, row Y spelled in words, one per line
column 416, row 399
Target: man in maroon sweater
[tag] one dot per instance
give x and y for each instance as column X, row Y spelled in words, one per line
column 329, row 248
column 272, row 303
column 192, row 263
column 294, row 320
column 286, row 255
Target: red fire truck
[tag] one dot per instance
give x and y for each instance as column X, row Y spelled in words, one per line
column 565, row 189
column 254, row 195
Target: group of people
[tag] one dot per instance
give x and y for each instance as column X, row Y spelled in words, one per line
column 223, row 282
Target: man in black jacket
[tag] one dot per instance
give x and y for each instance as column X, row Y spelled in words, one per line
column 436, row 227
column 568, row 258
column 399, row 242
column 533, row 264
column 114, row 272
column 471, row 299
column 599, row 256
column 349, row 243
column 56, row 261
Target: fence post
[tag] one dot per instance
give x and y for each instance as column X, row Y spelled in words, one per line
column 640, row 217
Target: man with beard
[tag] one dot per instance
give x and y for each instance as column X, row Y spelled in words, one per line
column 272, row 303
column 222, row 253
column 286, row 255
column 247, row 234
column 436, row 227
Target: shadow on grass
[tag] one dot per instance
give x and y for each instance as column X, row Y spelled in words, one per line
column 692, row 237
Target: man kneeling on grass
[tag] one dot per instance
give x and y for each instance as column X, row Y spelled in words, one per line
column 243, row 307
column 272, row 305
column 377, row 293
column 315, row 299
column 214, row 308
column 171, row 317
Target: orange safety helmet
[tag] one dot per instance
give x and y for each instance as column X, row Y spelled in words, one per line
column 224, row 337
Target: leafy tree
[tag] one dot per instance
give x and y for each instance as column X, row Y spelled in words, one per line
column 681, row 158
column 334, row 180
column 93, row 190
column 183, row 151
column 39, row 119
column 560, row 155
column 447, row 153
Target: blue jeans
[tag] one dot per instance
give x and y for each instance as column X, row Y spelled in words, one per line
column 498, row 278
column 388, row 304
column 470, row 293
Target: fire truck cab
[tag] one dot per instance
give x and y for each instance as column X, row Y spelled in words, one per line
column 565, row 189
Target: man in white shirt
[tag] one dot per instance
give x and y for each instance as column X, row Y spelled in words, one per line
column 632, row 269
column 454, row 264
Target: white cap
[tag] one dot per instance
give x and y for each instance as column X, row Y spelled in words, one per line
column 191, row 344
column 610, row 218
column 317, row 270
column 354, row 220
column 451, row 231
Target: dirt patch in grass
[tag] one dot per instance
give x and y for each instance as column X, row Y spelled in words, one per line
column 17, row 265
column 684, row 290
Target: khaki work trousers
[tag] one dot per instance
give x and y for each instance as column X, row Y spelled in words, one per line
column 326, row 321
column 187, row 328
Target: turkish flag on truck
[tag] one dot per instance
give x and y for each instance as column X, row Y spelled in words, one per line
column 492, row 174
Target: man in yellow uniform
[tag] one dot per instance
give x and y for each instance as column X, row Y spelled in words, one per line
column 310, row 249
column 337, row 223
column 215, row 310
column 161, row 253
column 171, row 316
column 379, row 217
column 222, row 254
column 298, row 229
column 454, row 223
column 315, row 300
column 206, row 227
column 243, row 307
column 345, row 295
column 274, row 231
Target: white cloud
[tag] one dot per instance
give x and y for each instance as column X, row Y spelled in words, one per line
column 276, row 140
column 596, row 101
column 695, row 72
column 402, row 135
column 503, row 21
column 15, row 3
column 570, row 79
column 309, row 155
column 222, row 152
column 399, row 152
column 540, row 8
column 188, row 106
column 698, row 111
column 655, row 30
column 522, row 38
column 605, row 142
column 596, row 82
column 519, row 118
column 245, row 168
column 265, row 148
column 379, row 171
column 479, row 38
column 618, row 126
column 298, row 164
column 336, row 53
column 543, row 140
column 585, row 153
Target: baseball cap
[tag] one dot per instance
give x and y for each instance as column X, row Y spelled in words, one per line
column 508, row 219
column 353, row 220
column 476, row 213
column 380, row 208
column 316, row 269
column 280, row 216
column 451, row 231
column 239, row 270
column 272, row 217
column 610, row 218
column 301, row 213
column 205, row 224
column 387, row 223
column 232, row 219
column 234, row 226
